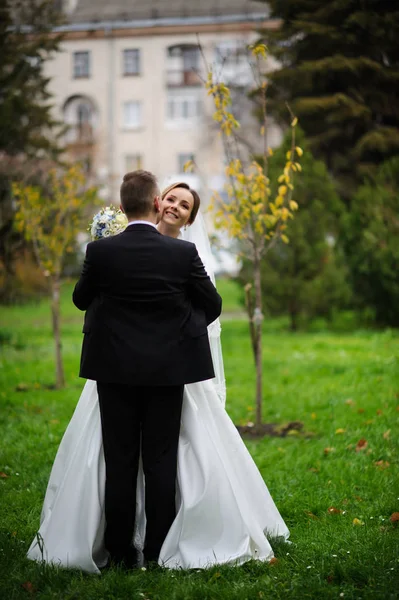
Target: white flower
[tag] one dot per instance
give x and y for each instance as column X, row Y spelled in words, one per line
column 107, row 222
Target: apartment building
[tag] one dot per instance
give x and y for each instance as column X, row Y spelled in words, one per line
column 128, row 82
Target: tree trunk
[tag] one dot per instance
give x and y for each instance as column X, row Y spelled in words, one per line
column 258, row 318
column 55, row 312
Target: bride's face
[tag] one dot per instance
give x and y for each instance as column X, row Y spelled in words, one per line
column 176, row 207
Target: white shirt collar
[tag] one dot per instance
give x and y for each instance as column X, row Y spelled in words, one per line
column 141, row 223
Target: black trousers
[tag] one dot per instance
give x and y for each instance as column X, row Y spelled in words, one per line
column 135, row 419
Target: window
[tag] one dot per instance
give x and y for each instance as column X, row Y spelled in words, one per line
column 81, row 64
column 131, row 61
column 235, row 62
column 182, row 159
column 133, row 162
column 132, row 114
column 183, row 64
column 183, row 108
column 80, row 116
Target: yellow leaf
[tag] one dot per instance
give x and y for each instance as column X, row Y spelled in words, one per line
column 299, row 150
column 288, row 155
column 313, row 415
column 281, row 178
column 270, row 151
column 282, row 190
column 340, row 430
column 386, row 434
column 293, row 205
column 188, row 166
column 294, row 122
column 259, row 50
column 284, row 238
column 357, row 522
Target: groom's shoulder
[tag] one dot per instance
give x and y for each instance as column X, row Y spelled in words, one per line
column 101, row 244
column 178, row 245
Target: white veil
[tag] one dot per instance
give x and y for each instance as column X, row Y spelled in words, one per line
column 198, row 235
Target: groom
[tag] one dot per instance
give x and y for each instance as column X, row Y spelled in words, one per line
column 148, row 301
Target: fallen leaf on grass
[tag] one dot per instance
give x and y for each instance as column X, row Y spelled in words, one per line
column 334, row 511
column 311, row 515
column 382, row 464
column 273, row 561
column 3, row 475
column 379, row 411
column 54, row 421
column 357, row 522
column 313, row 416
column 340, row 430
column 360, row 410
column 313, row 470
column 361, row 445
column 349, row 401
column 328, row 450
column 394, row 518
column 386, row 434
column 22, row 387
column 28, row 586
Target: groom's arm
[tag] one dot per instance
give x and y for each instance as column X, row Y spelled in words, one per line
column 85, row 290
column 202, row 292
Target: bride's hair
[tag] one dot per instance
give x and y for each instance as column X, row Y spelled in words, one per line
column 196, row 198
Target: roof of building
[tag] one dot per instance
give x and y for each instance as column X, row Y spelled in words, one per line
column 92, row 11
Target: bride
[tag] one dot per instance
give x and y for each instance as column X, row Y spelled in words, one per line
column 224, row 509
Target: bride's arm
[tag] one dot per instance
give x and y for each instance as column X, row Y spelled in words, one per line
column 202, row 292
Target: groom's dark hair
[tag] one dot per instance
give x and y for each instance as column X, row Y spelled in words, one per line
column 138, row 191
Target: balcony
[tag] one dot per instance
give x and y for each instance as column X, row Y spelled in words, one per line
column 181, row 78
column 79, row 136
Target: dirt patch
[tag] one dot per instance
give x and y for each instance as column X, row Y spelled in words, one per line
column 271, row 429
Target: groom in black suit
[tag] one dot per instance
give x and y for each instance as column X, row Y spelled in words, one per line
column 148, row 301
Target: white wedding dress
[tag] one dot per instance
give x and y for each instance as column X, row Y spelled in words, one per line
column 224, row 509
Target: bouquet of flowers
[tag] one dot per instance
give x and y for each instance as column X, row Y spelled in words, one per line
column 108, row 221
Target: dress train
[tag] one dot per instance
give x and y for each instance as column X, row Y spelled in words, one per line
column 224, row 506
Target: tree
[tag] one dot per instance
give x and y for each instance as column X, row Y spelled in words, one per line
column 50, row 217
column 371, row 237
column 27, row 127
column 253, row 214
column 339, row 70
column 306, row 277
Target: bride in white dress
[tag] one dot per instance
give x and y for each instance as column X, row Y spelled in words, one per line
column 224, row 509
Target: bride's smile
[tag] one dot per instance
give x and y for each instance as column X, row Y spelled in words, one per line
column 177, row 207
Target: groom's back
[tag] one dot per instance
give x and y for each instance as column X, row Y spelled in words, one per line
column 142, row 327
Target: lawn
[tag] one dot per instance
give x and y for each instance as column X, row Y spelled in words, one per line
column 336, row 482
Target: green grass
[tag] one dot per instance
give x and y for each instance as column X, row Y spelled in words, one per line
column 343, row 388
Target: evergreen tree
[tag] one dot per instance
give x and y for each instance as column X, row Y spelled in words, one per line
column 340, row 74
column 27, row 128
column 26, row 41
column 372, row 248
column 306, row 277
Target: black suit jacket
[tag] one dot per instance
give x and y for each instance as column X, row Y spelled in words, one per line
column 148, row 301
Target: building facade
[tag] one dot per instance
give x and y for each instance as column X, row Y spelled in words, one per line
column 129, row 83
